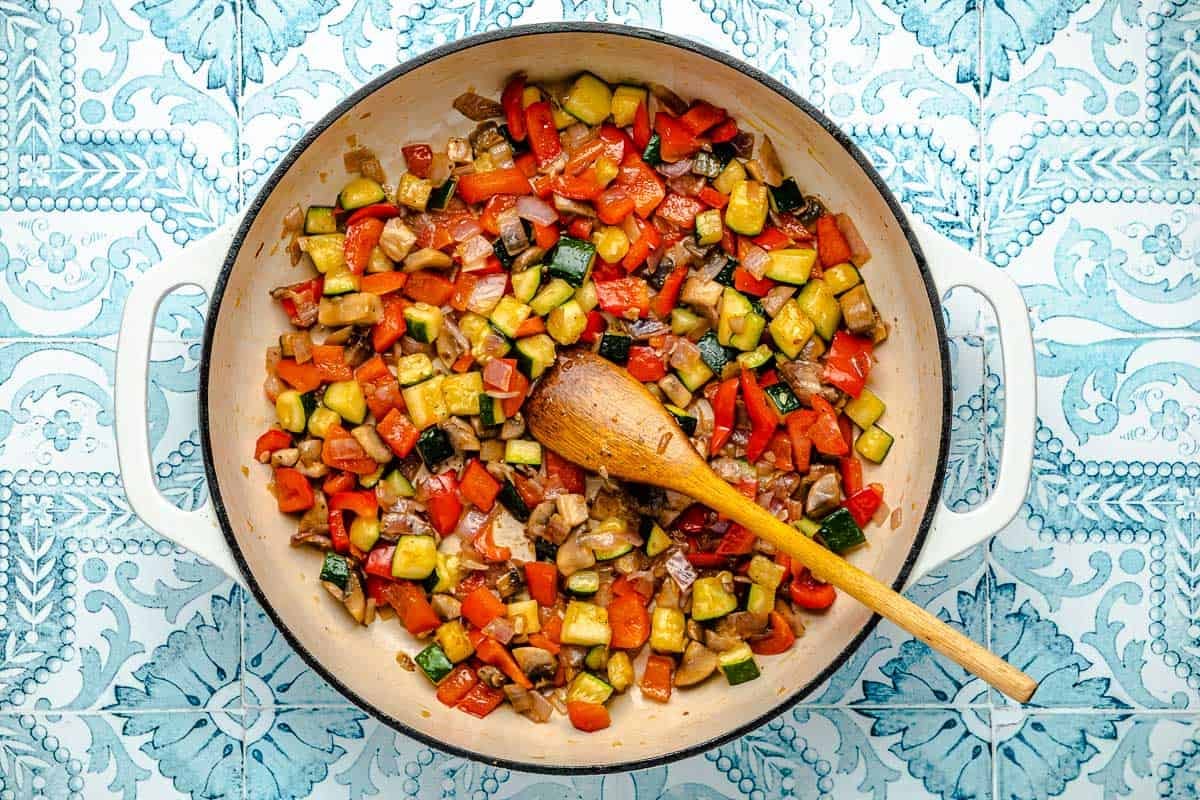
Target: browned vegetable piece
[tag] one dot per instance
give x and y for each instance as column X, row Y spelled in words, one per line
column 477, row 107
column 858, row 311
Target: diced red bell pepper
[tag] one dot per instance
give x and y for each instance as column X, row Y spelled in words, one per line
column 737, row 541
column 624, row 295
column 514, row 109
column 580, row 228
column 338, row 535
column 781, row 447
column 301, row 377
column 646, row 363
column 542, row 579
column 668, row 296
column 825, row 434
column 588, row 717
column 532, row 326
column 772, row 239
column 389, row 329
column 763, row 418
column 584, row 156
column 863, row 504
column 511, row 405
column 379, row 561
column 478, row 486
column 798, row 423
column 596, row 325
column 442, row 501
column 848, row 362
column 606, row 271
column 489, row 218
column 269, row 442
column 381, row 392
column 301, row 301
column 381, row 211
column 831, row 244
column 847, row 429
column 745, row 282
column 482, row 606
column 693, row 519
column 543, row 135
column 426, row 286
column 680, row 210
column 852, row 474
column 412, row 606
column 712, row 198
column 499, row 373
column 476, row 187
column 361, row 238
column 492, row 652
column 780, row 639
column 629, row 620
column 724, row 404
column 357, row 460
column 724, row 132
column 676, row 141
column 418, row 158
column 561, row 472
column 702, row 116
column 456, row 686
column 613, row 205
column 793, row 228
column 545, row 236
column 339, row 482
column 383, row 282
column 528, row 166
column 541, row 184
column 616, row 142
column 656, row 679
column 643, row 184
column 810, row 593
column 641, row 248
column 293, row 492
column 481, row 700
column 360, row 503
column 331, row 363
column 708, row 560
column 641, row 127
column 530, row 492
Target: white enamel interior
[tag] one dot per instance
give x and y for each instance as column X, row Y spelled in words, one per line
column 416, row 107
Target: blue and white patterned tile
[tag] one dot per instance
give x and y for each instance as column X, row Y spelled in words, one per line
column 275, row 674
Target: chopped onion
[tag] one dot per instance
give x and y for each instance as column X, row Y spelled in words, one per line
column 464, row 228
column 302, row 345
column 474, row 250
column 536, row 210
column 772, row 168
column 686, row 354
column 743, row 144
column 274, row 354
column 273, row 387
column 499, row 395
column 776, row 298
column 500, row 629
column 630, row 226
column 471, row 523
column 755, row 261
column 540, row 710
column 492, row 346
column 677, row 168
column 569, row 206
column 502, row 154
column 439, row 169
column 608, row 539
column 647, row 328
column 575, row 135
column 687, row 185
column 520, row 697
column 294, row 220
column 512, row 232
column 681, row 570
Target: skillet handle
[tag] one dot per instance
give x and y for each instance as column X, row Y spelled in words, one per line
column 956, row 532
column 197, row 530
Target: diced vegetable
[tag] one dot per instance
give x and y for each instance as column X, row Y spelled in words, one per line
column 738, row 664
column 873, row 444
column 710, row 599
column 585, row 624
column 415, row 557
column 667, row 630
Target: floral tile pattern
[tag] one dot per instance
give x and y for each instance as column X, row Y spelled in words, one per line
column 1059, row 138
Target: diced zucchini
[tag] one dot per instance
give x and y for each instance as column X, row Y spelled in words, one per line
column 321, row 420
column 620, row 670
column 786, row 197
column 293, row 410
column 340, row 282
column 758, row 357
column 760, row 600
column 710, row 599
column 399, row 485
column 414, row 368
column 783, row 397
column 821, row 306
column 694, row 376
column 613, row 525
column 525, row 284
column 346, row 398
column 725, row 276
column 686, row 421
column 873, row 444
column 327, row 251
column 611, row 243
column 652, row 152
column 586, row 624
column 615, row 347
column 379, row 261
column 447, row 573
column 735, row 305
column 452, row 638
column 790, row 264
column 572, row 260
column 766, row 572
column 747, row 209
column 364, row 532
column 552, row 295
column 840, row 532
column 625, row 101
column 425, row 402
column 707, row 164
column 667, row 630
column 567, row 322
column 865, row 409
column 415, row 557
column 791, row 329
column 434, row 663
column 536, row 354
column 361, row 192
column 319, row 219
column 523, row 451
column 586, row 296
column 809, row 527
column 439, row 196
column 587, row 688
column 584, row 583
column 433, row 445
column 738, row 664
column 414, row 192
column 596, row 658
column 684, row 321
column 424, row 322
column 527, row 612
column 368, row 481
column 589, row 99
column 841, row 277
column 336, row 570
column 462, row 393
column 511, row 499
column 491, row 410
column 508, row 315
column 658, row 540
column 733, row 174
column 709, row 227
column 531, row 95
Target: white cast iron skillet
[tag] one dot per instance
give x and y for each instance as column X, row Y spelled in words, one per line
column 242, row 532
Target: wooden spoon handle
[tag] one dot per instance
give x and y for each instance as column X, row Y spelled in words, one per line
column 831, row 568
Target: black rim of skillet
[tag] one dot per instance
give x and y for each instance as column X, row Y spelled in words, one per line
column 512, row 33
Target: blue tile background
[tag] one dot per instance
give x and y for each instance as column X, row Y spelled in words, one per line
column 1060, row 138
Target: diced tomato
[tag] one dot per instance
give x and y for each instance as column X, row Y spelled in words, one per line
column 361, row 238
column 745, row 282
column 476, row 187
column 482, row 606
column 301, row 377
column 724, row 404
column 383, row 211
column 810, row 593
column 702, row 116
column 542, row 579
column 641, row 127
column 293, row 492
column 780, row 639
column 481, row 700
column 543, row 136
column 269, row 442
column 379, row 563
column 596, row 325
column 455, row 686
column 656, row 679
column 330, row 361
column 418, row 157
column 426, row 286
column 383, row 282
column 680, row 210
column 723, row 132
column 588, row 717
column 831, row 244
column 630, row 621
column 863, row 504
column 338, row 536
column 642, row 183
column 545, row 236
column 624, row 295
column 712, row 198
column 772, row 239
column 442, row 501
column 646, row 364
column 489, row 218
column 514, row 109
column 359, row 503
column 478, row 486
column 613, row 205
column 562, row 472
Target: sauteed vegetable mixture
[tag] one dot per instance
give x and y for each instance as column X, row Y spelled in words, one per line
column 661, row 235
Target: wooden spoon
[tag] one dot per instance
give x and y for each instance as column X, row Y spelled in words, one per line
column 596, row 414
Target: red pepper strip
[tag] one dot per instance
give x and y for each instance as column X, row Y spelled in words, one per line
column 641, row 248
column 482, row 606
column 745, row 282
column 293, row 492
column 359, row 464
column 810, row 593
column 338, row 535
column 712, row 198
column 361, row 503
column 514, row 110
column 596, row 325
column 481, row 700
column 781, row 447
column 330, row 362
column 723, row 132
column 562, row 473
column 393, row 325
column 852, row 475
column 613, row 205
column 848, row 363
column 455, row 686
column 616, row 142
column 680, row 210
column 798, row 423
column 863, row 504
column 780, row 640
column 629, row 620
column 339, row 482
column 379, row 561
column 676, row 141
column 692, row 519
column 443, row 503
column 383, row 282
column 737, row 541
column 707, row 560
column 643, row 184
column 492, row 652
column 589, row 717
column 585, row 156
column 418, row 158
column 623, row 295
column 831, row 244
column 479, row 186
column 641, row 127
column 702, row 116
column 269, row 442
column 656, row 679
column 825, row 434
column 668, row 296
column 384, row 211
column 762, row 418
column 489, row 218
column 511, row 405
column 398, row 431
column 542, row 579
column 301, row 377
column 546, row 236
column 646, row 363
column 361, row 238
column 543, row 136
column 478, row 486
column 426, row 286
column 544, row 642
column 724, row 404
column 771, row 238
